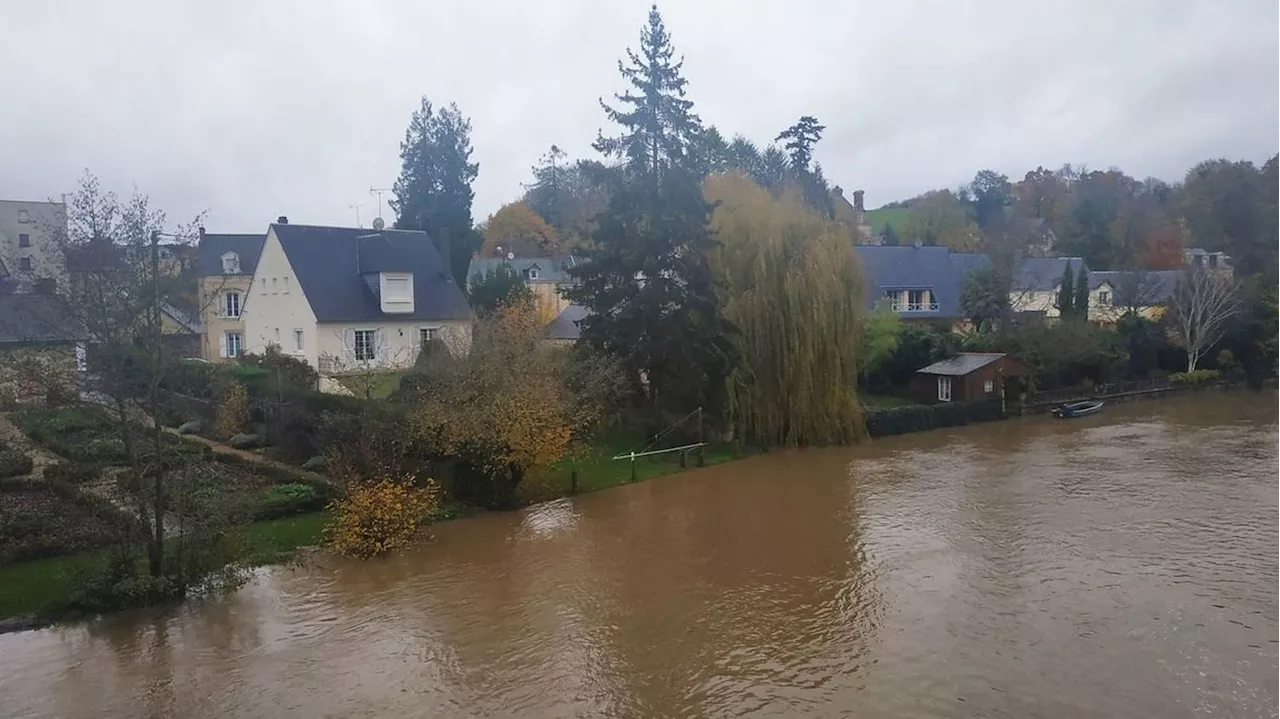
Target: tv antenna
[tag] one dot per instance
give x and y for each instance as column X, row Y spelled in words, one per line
column 356, row 207
column 378, row 191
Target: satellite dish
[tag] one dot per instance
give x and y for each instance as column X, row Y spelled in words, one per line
column 378, row 224
column 511, row 255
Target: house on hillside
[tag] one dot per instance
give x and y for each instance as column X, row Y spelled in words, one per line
column 970, row 376
column 43, row 347
column 1197, row 257
column 1036, row 282
column 31, row 235
column 544, row 276
column 919, row 283
column 348, row 300
column 854, row 214
column 224, row 267
column 1112, row 294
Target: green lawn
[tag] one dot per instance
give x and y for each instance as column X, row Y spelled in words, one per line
column 376, row 385
column 598, row 470
column 893, row 216
column 39, row 586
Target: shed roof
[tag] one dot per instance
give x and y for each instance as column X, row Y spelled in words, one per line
column 565, row 325
column 38, row 319
column 961, row 364
column 550, row 269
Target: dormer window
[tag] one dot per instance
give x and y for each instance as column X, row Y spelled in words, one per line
column 533, row 273
column 231, row 264
column 396, row 289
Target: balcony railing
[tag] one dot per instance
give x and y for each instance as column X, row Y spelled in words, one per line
column 914, row 306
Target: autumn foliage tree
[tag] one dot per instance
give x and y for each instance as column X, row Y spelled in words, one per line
column 1162, row 249
column 510, row 404
column 520, row 231
column 791, row 288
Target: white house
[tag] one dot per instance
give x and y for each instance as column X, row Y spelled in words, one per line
column 350, row 300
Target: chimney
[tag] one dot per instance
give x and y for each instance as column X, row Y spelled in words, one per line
column 200, row 229
column 282, row 220
column 857, row 201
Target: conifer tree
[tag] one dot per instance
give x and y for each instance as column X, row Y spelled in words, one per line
column 647, row 281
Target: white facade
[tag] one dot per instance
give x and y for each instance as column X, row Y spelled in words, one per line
column 276, row 311
column 29, row 240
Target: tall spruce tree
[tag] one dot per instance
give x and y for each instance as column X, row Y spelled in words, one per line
column 1066, row 294
column 647, row 280
column 800, row 139
column 433, row 192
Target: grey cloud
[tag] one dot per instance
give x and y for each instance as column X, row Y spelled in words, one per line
column 252, row 110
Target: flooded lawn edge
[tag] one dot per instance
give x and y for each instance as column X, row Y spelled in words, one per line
column 30, row 591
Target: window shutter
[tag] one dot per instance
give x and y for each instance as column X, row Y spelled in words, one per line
column 222, row 351
column 380, row 346
column 349, row 342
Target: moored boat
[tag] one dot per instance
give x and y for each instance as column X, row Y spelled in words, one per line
column 1082, row 408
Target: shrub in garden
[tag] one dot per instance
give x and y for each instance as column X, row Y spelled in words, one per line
column 380, row 515
column 919, row 417
column 14, row 463
column 71, row 472
column 283, row 500
column 233, row 410
column 1194, row 377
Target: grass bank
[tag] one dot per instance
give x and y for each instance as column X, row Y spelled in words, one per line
column 39, row 587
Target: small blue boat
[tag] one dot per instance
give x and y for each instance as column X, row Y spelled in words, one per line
column 1078, row 409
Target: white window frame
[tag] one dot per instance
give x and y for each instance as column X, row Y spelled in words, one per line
column 989, row 387
column 915, row 300
column 227, row 302
column 533, row 273
column 238, row 348
column 1104, row 298
column 231, row 264
column 24, row 217
column 944, row 388
column 299, row 341
column 423, row 339
column 371, row 345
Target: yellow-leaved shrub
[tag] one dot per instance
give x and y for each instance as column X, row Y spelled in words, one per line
column 380, row 515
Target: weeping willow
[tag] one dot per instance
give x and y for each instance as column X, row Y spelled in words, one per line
column 791, row 286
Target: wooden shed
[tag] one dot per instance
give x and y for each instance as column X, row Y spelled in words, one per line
column 969, row 376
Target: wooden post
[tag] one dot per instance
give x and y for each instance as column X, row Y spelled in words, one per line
column 633, row 466
column 573, row 482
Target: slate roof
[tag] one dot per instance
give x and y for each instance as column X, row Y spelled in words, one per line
column 550, row 269
column 1041, row 274
column 962, row 364
column 329, row 261
column 37, row 319
column 212, row 247
column 936, row 269
column 1153, row 287
column 565, row 325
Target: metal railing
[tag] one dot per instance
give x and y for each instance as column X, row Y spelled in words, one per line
column 1109, row 389
column 914, row 306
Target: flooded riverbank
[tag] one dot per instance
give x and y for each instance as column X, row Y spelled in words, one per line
column 1120, row 565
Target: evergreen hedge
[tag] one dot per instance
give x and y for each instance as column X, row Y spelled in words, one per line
column 921, row 417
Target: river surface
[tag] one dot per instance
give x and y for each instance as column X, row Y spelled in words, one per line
column 1123, row 565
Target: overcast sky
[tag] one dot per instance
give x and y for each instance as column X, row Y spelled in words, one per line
column 255, row 109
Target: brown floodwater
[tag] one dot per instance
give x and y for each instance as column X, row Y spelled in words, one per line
column 1123, row 565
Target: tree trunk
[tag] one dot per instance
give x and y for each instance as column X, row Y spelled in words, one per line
column 1193, row 356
